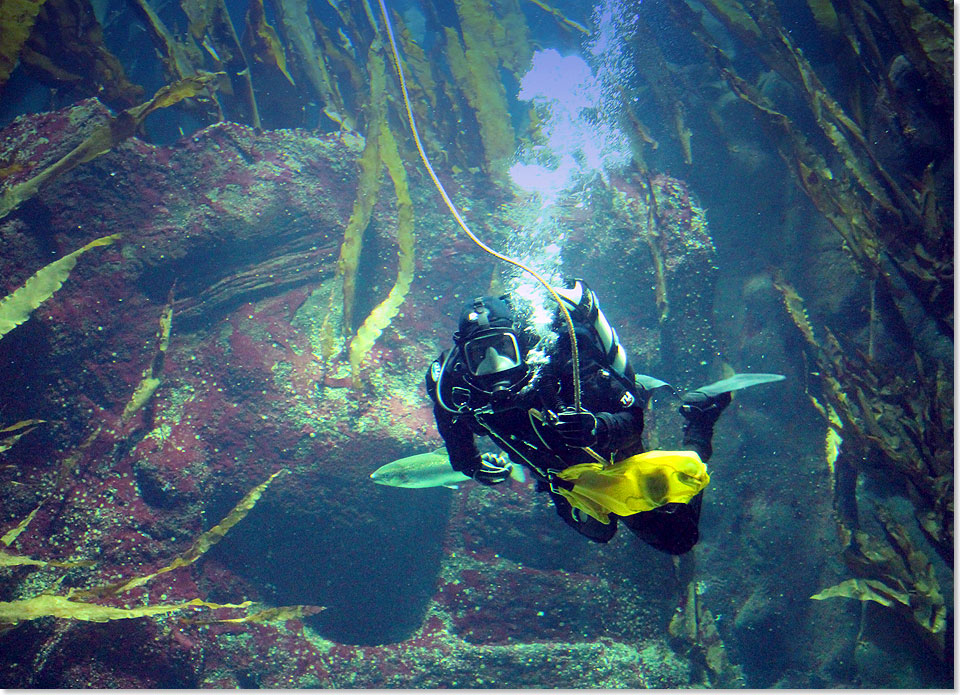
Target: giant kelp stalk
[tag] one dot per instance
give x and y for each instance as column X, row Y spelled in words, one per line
column 492, row 35
column 878, row 421
column 891, row 235
column 381, row 315
column 895, row 418
column 380, row 150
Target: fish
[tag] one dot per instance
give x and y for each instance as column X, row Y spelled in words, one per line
column 432, row 469
column 738, row 381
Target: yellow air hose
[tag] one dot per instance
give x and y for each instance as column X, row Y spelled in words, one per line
column 463, row 224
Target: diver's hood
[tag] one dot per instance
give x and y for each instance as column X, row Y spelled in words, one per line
column 490, row 348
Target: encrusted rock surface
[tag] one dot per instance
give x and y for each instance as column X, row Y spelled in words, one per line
column 423, row 588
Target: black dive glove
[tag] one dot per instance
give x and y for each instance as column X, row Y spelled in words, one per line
column 578, row 429
column 702, row 411
column 493, row 469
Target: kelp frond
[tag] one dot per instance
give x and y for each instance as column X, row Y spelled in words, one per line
column 67, row 48
column 894, row 574
column 206, row 541
column 267, row 615
column 151, row 375
column 16, row 308
column 73, row 606
column 106, row 137
column 11, row 435
column 368, row 186
column 262, row 40
column 51, row 605
column 383, row 313
column 17, row 18
column 380, row 151
column 11, row 560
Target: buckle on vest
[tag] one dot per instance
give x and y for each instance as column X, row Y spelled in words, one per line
column 551, row 478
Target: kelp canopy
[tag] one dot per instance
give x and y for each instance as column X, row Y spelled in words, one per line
column 845, row 105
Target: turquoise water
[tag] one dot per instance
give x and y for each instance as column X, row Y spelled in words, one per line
column 748, row 187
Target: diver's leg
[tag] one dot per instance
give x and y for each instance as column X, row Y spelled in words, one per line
column 672, row 528
column 584, row 523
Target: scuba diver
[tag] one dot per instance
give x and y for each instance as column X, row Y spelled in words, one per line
column 503, row 380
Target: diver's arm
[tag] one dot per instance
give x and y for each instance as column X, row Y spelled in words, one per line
column 619, row 430
column 488, row 469
column 459, row 440
column 456, row 432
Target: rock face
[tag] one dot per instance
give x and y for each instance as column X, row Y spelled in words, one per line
column 422, row 588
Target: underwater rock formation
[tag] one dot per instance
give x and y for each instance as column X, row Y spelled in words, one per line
column 209, row 347
column 248, row 225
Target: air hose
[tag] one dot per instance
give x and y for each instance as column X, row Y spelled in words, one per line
column 463, row 225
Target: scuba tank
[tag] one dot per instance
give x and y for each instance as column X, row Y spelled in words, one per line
column 582, row 302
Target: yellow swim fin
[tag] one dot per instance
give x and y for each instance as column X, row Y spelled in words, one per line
column 637, row 484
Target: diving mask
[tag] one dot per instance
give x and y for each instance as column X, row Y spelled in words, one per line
column 491, row 352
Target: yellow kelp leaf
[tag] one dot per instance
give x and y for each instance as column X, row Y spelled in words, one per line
column 151, row 375
column 636, row 484
column 16, row 21
column 15, row 308
column 8, row 560
column 262, row 39
column 200, row 546
column 19, row 425
column 825, row 16
column 173, row 93
column 368, row 186
column 834, row 440
column 11, row 535
column 48, row 605
column 9, row 440
column 561, row 18
column 383, row 313
column 106, row 137
column 148, row 386
column 864, row 590
column 278, row 614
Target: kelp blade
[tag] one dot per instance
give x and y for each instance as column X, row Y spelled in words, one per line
column 16, row 308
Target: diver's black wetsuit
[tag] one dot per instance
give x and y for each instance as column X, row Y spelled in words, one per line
column 615, row 401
